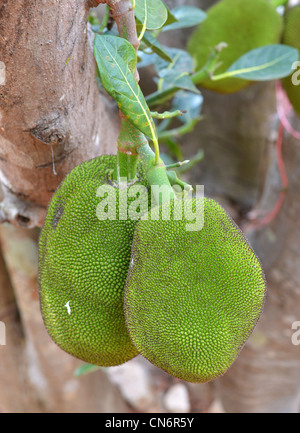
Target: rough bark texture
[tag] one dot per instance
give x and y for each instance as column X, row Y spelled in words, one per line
column 52, row 117
column 51, row 114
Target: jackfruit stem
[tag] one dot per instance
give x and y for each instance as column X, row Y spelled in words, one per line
column 172, row 176
column 156, row 174
column 126, row 167
column 132, row 145
column 129, row 138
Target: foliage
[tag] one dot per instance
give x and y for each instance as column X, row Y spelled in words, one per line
column 176, row 77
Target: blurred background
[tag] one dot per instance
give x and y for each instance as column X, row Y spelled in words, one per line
column 238, row 139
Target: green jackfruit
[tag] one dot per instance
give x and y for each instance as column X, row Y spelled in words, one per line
column 291, row 36
column 244, row 25
column 192, row 297
column 83, row 263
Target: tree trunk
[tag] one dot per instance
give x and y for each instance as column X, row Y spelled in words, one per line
column 52, row 116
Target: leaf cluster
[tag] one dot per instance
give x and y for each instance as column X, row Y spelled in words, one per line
column 175, row 74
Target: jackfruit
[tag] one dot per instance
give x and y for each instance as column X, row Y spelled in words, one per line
column 192, row 297
column 243, row 25
column 291, row 36
column 83, row 263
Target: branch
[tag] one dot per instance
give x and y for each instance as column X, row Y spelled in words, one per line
column 123, row 14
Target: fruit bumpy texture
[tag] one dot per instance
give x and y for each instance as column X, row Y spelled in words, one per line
column 244, row 25
column 84, row 261
column 192, row 298
column 291, row 36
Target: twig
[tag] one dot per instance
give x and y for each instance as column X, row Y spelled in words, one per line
column 181, row 130
column 167, row 114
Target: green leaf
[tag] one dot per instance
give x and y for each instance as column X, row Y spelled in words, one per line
column 145, row 58
column 116, row 59
column 270, row 62
column 181, row 61
column 189, row 102
column 156, row 47
column 187, row 16
column 152, row 13
column 170, row 18
column 181, row 80
column 85, row 369
column 174, row 148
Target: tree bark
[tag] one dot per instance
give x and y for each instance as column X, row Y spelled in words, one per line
column 52, row 116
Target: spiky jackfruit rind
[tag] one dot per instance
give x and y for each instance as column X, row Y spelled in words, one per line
column 192, row 298
column 291, row 36
column 84, row 261
column 244, row 25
